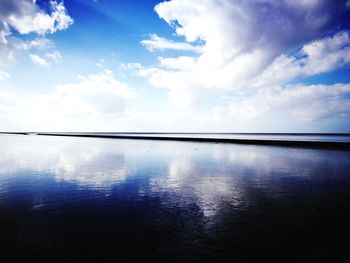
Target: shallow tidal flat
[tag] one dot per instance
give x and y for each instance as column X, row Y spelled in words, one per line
column 172, row 201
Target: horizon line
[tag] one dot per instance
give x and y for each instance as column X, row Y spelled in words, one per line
column 330, row 145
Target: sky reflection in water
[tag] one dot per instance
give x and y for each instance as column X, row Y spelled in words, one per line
column 170, row 200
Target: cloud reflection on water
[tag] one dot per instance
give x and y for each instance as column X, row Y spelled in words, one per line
column 173, row 199
column 88, row 163
column 212, row 176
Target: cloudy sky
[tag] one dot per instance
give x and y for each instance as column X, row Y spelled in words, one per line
column 178, row 65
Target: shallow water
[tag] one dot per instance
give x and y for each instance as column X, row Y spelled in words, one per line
column 172, row 201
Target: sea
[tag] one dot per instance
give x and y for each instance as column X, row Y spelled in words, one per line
column 130, row 200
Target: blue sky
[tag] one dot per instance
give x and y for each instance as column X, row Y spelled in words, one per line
column 202, row 65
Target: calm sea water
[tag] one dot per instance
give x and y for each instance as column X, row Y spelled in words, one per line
column 172, row 201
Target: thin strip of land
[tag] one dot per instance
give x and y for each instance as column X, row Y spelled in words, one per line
column 164, row 137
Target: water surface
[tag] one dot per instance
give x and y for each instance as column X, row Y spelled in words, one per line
column 172, row 201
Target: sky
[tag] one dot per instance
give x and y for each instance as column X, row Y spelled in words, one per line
column 175, row 66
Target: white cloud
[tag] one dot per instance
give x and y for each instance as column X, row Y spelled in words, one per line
column 298, row 101
column 90, row 103
column 250, row 51
column 156, row 43
column 179, row 63
column 249, row 23
column 40, row 43
column 317, row 57
column 238, row 41
column 13, row 47
column 4, row 32
column 39, row 61
column 26, row 16
column 244, row 54
column 100, row 93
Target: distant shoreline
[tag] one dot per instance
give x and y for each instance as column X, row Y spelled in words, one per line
column 189, row 133
column 152, row 136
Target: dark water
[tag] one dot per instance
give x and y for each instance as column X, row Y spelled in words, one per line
column 172, row 201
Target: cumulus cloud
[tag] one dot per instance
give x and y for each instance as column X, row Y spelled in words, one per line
column 250, row 51
column 72, row 105
column 249, row 23
column 304, row 102
column 317, row 57
column 299, row 101
column 156, row 43
column 25, row 16
column 96, row 93
column 242, row 38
